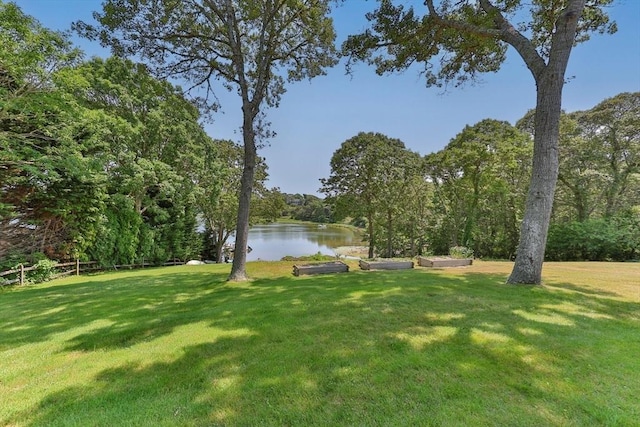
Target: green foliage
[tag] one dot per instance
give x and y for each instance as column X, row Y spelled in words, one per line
column 250, row 47
column 52, row 186
column 153, row 150
column 43, row 271
column 269, row 205
column 460, row 252
column 118, row 238
column 458, row 41
column 480, row 180
column 307, row 207
column 218, row 183
column 368, row 176
column 599, row 154
column 315, row 257
column 601, row 239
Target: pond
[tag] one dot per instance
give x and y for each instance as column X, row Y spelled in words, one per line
column 271, row 242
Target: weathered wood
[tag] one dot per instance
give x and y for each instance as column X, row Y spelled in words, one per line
column 323, row 268
column 385, row 265
column 443, row 262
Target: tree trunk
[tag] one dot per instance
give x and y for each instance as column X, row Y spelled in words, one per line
column 371, row 240
column 535, row 224
column 219, row 245
column 549, row 83
column 389, row 234
column 238, row 268
column 613, row 190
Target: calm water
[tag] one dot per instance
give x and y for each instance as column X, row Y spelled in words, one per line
column 271, row 242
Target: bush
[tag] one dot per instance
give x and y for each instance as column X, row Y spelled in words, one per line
column 460, row 252
column 614, row 239
column 43, row 271
column 315, row 257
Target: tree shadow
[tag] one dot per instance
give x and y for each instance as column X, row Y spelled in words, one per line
column 130, row 307
column 366, row 348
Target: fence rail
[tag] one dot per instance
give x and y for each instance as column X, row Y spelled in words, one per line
column 78, row 267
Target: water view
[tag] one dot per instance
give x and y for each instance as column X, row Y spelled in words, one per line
column 271, row 242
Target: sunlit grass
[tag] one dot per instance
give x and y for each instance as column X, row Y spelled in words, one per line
column 181, row 346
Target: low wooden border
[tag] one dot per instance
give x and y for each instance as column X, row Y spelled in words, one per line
column 321, row 268
column 443, row 262
column 385, row 265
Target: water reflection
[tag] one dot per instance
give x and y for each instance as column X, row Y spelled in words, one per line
column 271, row 242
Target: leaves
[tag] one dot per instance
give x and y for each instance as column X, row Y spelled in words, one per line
column 481, row 178
column 368, row 174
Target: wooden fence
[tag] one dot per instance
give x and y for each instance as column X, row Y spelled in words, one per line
column 75, row 267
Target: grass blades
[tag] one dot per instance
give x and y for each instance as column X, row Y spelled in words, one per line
column 181, row 346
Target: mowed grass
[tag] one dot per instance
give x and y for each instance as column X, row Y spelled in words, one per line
column 180, row 346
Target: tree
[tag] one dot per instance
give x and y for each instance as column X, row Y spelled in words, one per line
column 254, row 47
column 51, row 188
column 613, row 126
column 270, row 204
column 307, row 207
column 417, row 211
column 219, row 184
column 367, row 173
column 480, row 179
column 150, row 144
column 398, row 171
column 599, row 158
column 469, row 37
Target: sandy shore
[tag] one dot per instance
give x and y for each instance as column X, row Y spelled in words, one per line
column 352, row 251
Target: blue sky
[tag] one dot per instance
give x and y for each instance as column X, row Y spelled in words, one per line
column 316, row 116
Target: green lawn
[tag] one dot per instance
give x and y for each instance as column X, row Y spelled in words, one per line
column 180, row 346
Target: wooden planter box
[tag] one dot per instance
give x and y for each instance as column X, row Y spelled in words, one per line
column 323, row 268
column 385, row 265
column 443, row 262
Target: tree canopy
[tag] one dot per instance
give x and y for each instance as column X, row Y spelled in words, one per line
column 457, row 41
column 250, row 47
column 43, row 151
column 368, row 173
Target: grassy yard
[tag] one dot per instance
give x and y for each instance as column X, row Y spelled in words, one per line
column 179, row 346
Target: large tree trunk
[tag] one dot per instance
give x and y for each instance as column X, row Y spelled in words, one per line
column 238, row 268
column 549, row 84
column 535, row 224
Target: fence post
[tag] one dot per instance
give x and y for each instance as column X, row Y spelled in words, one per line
column 77, row 267
column 21, row 274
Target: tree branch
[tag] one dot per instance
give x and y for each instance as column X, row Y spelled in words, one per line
column 504, row 31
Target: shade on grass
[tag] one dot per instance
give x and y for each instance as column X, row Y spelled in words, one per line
column 180, row 346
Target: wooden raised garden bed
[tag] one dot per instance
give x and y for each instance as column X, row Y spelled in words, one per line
column 443, row 262
column 385, row 265
column 321, row 268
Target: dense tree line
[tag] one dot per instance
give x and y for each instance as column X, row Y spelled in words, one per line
column 307, row 207
column 101, row 160
column 472, row 193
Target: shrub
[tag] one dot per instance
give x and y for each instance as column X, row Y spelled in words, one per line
column 43, row 271
column 315, row 257
column 613, row 239
column 460, row 252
